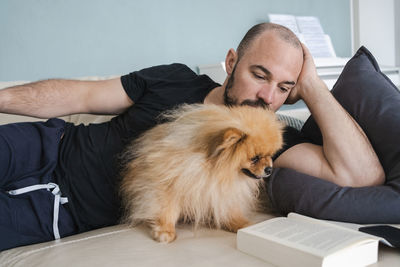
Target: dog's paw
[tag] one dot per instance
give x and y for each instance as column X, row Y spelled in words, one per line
column 235, row 225
column 163, row 236
column 236, row 228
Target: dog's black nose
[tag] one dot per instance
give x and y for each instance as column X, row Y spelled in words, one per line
column 268, row 171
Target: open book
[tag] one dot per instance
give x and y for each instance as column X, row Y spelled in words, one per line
column 309, row 31
column 299, row 240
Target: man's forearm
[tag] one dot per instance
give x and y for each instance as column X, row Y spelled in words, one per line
column 345, row 145
column 43, row 99
column 54, row 98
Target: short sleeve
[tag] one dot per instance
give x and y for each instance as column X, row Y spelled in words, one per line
column 291, row 137
column 137, row 83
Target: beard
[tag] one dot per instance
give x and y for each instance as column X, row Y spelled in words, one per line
column 230, row 100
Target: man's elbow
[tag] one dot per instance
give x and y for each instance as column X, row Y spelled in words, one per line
column 372, row 177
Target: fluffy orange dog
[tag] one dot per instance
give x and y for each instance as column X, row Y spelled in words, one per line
column 203, row 166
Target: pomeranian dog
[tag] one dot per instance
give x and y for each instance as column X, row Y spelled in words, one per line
column 204, row 166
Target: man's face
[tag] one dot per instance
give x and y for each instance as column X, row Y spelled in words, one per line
column 265, row 74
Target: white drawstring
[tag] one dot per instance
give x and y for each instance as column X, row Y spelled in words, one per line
column 57, row 200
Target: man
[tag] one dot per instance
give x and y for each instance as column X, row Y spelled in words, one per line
column 269, row 68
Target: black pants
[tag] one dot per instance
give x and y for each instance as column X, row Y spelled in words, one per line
column 28, row 156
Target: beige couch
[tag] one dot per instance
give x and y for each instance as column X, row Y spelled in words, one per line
column 122, row 246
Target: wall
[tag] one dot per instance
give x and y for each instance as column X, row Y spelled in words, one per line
column 374, row 27
column 71, row 38
column 397, row 31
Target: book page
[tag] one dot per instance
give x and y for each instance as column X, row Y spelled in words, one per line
column 309, row 30
column 317, row 42
column 299, row 217
column 320, row 238
column 320, row 45
column 309, row 25
column 351, row 226
column 288, row 21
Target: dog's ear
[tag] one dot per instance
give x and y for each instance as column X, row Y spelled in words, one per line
column 227, row 138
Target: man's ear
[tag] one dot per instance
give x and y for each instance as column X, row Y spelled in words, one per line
column 230, row 61
column 225, row 139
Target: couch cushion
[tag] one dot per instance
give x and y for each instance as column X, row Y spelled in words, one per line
column 123, row 246
column 292, row 191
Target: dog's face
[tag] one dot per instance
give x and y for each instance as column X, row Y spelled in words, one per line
column 256, row 156
column 248, row 153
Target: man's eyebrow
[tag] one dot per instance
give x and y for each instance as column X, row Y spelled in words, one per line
column 269, row 74
column 289, row 82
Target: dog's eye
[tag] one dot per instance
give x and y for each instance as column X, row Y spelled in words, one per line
column 255, row 159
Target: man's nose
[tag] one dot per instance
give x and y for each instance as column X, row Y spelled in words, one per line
column 267, row 93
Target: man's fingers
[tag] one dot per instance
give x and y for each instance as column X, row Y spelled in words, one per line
column 305, row 50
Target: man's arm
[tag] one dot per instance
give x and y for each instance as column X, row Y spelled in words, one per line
column 346, row 157
column 54, row 98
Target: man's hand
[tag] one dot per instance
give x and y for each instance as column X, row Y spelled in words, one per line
column 308, row 77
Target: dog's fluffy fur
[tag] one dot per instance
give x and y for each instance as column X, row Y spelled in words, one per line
column 202, row 166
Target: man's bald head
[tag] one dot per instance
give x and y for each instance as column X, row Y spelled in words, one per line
column 256, row 31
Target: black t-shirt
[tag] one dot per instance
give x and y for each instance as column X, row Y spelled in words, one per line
column 88, row 169
column 88, row 165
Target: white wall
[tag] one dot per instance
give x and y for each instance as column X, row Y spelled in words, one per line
column 397, row 31
column 374, row 27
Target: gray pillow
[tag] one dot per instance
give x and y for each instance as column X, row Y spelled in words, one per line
column 292, row 191
column 291, row 121
column 374, row 102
